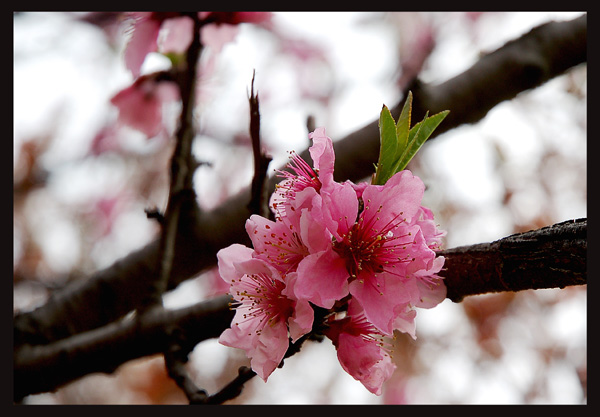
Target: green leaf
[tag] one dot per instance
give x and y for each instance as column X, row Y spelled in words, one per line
column 399, row 142
column 403, row 126
column 388, row 147
column 417, row 137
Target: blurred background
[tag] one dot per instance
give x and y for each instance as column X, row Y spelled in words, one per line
column 81, row 185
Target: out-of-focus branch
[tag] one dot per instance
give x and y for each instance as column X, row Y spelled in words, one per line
column 42, row 368
column 550, row 257
column 538, row 56
column 183, row 165
column 259, row 201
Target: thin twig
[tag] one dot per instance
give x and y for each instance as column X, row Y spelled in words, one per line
column 259, row 201
column 233, row 389
column 176, row 357
column 183, row 163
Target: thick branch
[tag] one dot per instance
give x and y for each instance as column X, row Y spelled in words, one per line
column 551, row 257
column 44, row 368
column 545, row 52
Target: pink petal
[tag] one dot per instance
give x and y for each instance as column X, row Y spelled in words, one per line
column 139, row 109
column 216, row 37
column 275, row 243
column 379, row 302
column 431, row 287
column 322, row 279
column 399, row 198
column 342, row 208
column 364, row 362
column 176, row 35
column 322, row 155
column 302, row 321
column 270, row 349
column 405, row 320
column 143, row 40
column 228, row 257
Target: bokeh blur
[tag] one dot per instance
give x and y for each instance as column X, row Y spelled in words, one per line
column 81, row 186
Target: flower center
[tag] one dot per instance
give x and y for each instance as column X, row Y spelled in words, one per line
column 260, row 296
column 284, row 250
column 303, row 176
column 373, row 246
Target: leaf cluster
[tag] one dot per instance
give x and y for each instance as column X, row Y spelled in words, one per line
column 400, row 142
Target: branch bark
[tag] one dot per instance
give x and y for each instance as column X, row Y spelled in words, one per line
column 42, row 368
column 542, row 54
column 550, row 257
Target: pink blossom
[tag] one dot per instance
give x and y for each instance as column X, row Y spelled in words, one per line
column 140, row 105
column 301, row 242
column 171, row 32
column 176, row 35
column 301, row 175
column 361, row 348
column 235, row 18
column 368, row 247
column 144, row 36
column 379, row 247
column 266, row 308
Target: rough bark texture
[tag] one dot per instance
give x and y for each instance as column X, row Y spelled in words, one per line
column 551, row 257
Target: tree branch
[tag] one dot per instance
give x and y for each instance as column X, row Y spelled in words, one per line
column 107, row 295
column 42, row 368
column 183, row 166
column 259, row 202
column 550, row 257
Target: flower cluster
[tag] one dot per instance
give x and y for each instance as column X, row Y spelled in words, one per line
column 363, row 253
column 170, row 33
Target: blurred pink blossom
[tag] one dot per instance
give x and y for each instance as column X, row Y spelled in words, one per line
column 141, row 104
column 171, row 32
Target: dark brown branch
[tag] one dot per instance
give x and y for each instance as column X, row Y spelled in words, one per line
column 233, row 389
column 183, row 164
column 551, row 257
column 259, row 200
column 114, row 291
column 44, row 368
